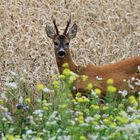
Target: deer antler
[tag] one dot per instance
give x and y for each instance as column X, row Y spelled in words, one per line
column 68, row 23
column 55, row 26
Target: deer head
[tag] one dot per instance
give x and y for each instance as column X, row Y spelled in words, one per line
column 61, row 41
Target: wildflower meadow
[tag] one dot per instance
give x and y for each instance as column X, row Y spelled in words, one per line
column 49, row 112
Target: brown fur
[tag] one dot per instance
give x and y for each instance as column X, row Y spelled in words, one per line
column 125, row 69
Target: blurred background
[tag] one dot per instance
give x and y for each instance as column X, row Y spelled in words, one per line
column 108, row 31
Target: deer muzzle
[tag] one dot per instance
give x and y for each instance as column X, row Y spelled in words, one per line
column 61, row 53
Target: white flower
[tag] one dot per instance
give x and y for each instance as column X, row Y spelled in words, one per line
column 59, row 130
column 123, row 92
column 124, row 80
column 132, row 128
column 3, row 96
column 67, row 137
column 74, row 88
column 11, row 85
column 92, row 137
column 99, row 78
column 93, row 93
column 20, row 99
column 105, row 115
column 123, row 113
column 89, row 119
column 71, row 111
column 77, row 113
column 84, row 124
column 4, row 119
column 133, row 78
column 51, row 123
column 73, row 122
column 38, row 112
column 29, row 132
column 130, row 109
column 46, row 90
column 52, row 138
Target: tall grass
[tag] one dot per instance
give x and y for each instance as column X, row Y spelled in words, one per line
column 49, row 112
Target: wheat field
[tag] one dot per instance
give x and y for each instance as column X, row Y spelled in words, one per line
column 108, row 31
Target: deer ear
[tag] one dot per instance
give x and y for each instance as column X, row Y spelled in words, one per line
column 50, row 31
column 72, row 31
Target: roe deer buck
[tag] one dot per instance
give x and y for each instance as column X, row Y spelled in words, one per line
column 125, row 69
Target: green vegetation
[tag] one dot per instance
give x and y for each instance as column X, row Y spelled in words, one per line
column 51, row 113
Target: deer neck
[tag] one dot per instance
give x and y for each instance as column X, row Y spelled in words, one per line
column 68, row 59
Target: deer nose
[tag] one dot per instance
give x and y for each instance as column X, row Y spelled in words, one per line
column 61, row 53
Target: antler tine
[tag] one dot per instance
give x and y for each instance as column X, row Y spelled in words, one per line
column 55, row 26
column 68, row 23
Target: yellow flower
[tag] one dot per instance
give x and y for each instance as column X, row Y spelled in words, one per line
column 95, row 122
column 122, row 119
column 66, row 72
column 89, row 86
column 65, row 65
column 80, row 119
column 64, row 106
column 78, row 94
column 139, row 99
column 113, row 125
column 27, row 100
column 38, row 138
column 72, row 78
column 111, row 89
column 82, row 99
column 137, row 121
column 74, row 101
column 95, row 107
column 11, row 137
column 104, row 108
column 17, row 136
column 107, row 121
column 83, row 138
column 97, row 117
column 40, row 87
column 110, row 81
column 86, row 111
column 45, row 108
column 55, row 84
column 86, row 99
column 44, row 101
column 62, row 76
column 132, row 99
column 84, row 78
column 121, row 106
column 1, row 102
column 98, row 91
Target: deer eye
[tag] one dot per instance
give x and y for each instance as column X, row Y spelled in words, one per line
column 67, row 44
column 55, row 43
